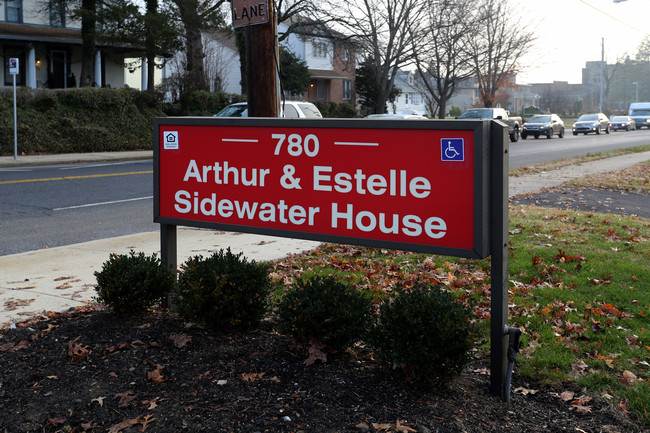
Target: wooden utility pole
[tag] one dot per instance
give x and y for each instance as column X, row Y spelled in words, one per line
column 261, row 56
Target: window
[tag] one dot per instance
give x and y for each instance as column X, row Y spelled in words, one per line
column 319, row 49
column 14, row 11
column 347, row 90
column 417, row 99
column 19, row 53
column 406, row 98
column 57, row 13
column 320, row 89
column 345, row 53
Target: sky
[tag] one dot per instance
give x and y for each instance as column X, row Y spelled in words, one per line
column 570, row 33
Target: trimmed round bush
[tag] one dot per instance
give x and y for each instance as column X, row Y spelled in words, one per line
column 426, row 332
column 223, row 290
column 132, row 283
column 324, row 309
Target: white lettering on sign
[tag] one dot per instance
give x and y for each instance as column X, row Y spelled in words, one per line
column 397, row 184
column 188, row 203
column 411, row 225
column 224, row 174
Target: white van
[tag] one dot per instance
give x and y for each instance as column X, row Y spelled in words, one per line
column 640, row 112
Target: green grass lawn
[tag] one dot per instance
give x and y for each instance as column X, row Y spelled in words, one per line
column 579, row 289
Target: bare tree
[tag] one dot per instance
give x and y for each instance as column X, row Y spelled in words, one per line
column 441, row 60
column 384, row 30
column 197, row 16
column 497, row 50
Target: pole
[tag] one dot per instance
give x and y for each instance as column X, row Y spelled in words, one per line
column 261, row 46
column 602, row 72
column 15, row 122
column 498, row 257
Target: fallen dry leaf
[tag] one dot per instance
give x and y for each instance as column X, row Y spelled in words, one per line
column 125, row 398
column 180, row 340
column 567, row 395
column 156, row 375
column 124, row 425
column 77, row 351
column 252, row 377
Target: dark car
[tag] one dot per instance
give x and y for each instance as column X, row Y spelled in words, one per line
column 543, row 124
column 622, row 122
column 587, row 123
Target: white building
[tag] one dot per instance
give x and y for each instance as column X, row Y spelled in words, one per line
column 48, row 47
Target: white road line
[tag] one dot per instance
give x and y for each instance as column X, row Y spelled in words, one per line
column 102, row 204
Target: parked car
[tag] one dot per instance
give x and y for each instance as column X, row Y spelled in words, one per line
column 622, row 122
column 543, row 124
column 396, row 116
column 595, row 122
column 513, row 122
column 289, row 110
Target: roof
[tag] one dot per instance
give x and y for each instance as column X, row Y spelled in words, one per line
column 32, row 33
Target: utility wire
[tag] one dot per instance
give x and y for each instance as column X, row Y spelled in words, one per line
column 615, row 19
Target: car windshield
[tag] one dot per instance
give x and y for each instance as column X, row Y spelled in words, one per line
column 619, row 119
column 310, row 111
column 539, row 119
column 234, row 111
column 641, row 112
column 476, row 114
column 587, row 117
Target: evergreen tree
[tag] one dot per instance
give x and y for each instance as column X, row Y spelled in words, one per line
column 293, row 73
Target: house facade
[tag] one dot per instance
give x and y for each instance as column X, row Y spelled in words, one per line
column 411, row 100
column 48, row 46
column 331, row 63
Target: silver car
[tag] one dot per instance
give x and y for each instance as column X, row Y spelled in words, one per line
column 587, row 123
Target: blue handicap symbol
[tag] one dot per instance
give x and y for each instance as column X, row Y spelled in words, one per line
column 452, row 149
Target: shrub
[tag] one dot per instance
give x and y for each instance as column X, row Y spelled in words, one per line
column 224, row 290
column 333, row 110
column 133, row 283
column 455, row 111
column 324, row 309
column 426, row 332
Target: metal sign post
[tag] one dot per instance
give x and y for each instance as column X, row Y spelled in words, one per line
column 14, row 68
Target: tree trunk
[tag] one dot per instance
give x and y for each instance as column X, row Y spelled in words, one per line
column 194, row 53
column 150, row 43
column 88, row 36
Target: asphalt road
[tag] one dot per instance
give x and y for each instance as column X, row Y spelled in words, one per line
column 43, row 207
column 535, row 151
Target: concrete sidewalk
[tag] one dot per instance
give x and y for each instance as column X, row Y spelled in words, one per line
column 60, row 278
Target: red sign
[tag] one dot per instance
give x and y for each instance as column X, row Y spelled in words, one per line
column 407, row 186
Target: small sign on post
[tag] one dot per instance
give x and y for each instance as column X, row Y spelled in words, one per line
column 249, row 12
column 14, row 69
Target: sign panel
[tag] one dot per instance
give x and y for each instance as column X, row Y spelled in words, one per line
column 14, row 66
column 249, row 12
column 418, row 186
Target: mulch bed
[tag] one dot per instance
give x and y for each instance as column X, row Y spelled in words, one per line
column 92, row 371
column 88, row 370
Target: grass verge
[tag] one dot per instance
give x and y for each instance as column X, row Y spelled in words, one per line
column 578, row 289
column 537, row 168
